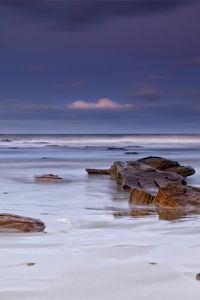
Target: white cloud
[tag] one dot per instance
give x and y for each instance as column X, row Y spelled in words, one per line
column 104, row 103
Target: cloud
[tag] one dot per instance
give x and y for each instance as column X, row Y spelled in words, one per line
column 83, row 12
column 103, row 103
column 146, row 93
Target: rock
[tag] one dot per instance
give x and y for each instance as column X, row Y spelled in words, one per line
column 139, row 196
column 30, row 264
column 173, row 195
column 153, row 263
column 135, row 174
column 98, row 171
column 198, row 276
column 127, row 173
column 48, row 178
column 6, row 140
column 129, row 152
column 15, row 223
column 159, row 163
column 164, row 164
column 156, row 182
column 116, row 148
column 181, row 170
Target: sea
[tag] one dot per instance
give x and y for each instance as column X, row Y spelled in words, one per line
column 88, row 252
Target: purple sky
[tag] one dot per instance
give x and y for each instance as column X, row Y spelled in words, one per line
column 100, row 66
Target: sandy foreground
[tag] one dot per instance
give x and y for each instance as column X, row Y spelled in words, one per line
column 98, row 260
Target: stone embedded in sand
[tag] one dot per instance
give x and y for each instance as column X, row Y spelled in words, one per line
column 175, row 195
column 15, row 223
column 98, row 171
column 48, row 178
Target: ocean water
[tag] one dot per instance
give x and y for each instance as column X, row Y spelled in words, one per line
column 87, row 253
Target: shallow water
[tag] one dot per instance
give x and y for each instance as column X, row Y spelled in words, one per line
column 87, row 253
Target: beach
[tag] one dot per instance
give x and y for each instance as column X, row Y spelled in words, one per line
column 86, row 251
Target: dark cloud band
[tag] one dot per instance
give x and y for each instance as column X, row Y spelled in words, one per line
column 84, row 12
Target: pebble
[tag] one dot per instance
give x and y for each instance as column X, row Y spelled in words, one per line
column 198, row 276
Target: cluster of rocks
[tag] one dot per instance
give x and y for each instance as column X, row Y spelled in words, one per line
column 155, row 181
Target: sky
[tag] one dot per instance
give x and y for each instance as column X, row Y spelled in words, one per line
column 99, row 66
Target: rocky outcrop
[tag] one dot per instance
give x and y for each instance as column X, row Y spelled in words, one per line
column 155, row 182
column 48, row 178
column 15, row 223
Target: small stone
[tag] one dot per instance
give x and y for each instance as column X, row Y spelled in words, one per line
column 129, row 152
column 48, row 178
column 30, row 264
column 198, row 276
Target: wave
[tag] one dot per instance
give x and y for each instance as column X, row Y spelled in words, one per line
column 109, row 142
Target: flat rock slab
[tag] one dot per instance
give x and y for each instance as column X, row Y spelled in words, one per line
column 15, row 223
column 48, row 178
column 164, row 164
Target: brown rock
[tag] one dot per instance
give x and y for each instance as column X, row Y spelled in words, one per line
column 15, row 223
column 135, row 174
column 116, row 168
column 175, row 195
column 164, row 164
column 48, row 178
column 159, row 163
column 181, row 170
column 98, row 171
column 127, row 174
column 140, row 197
